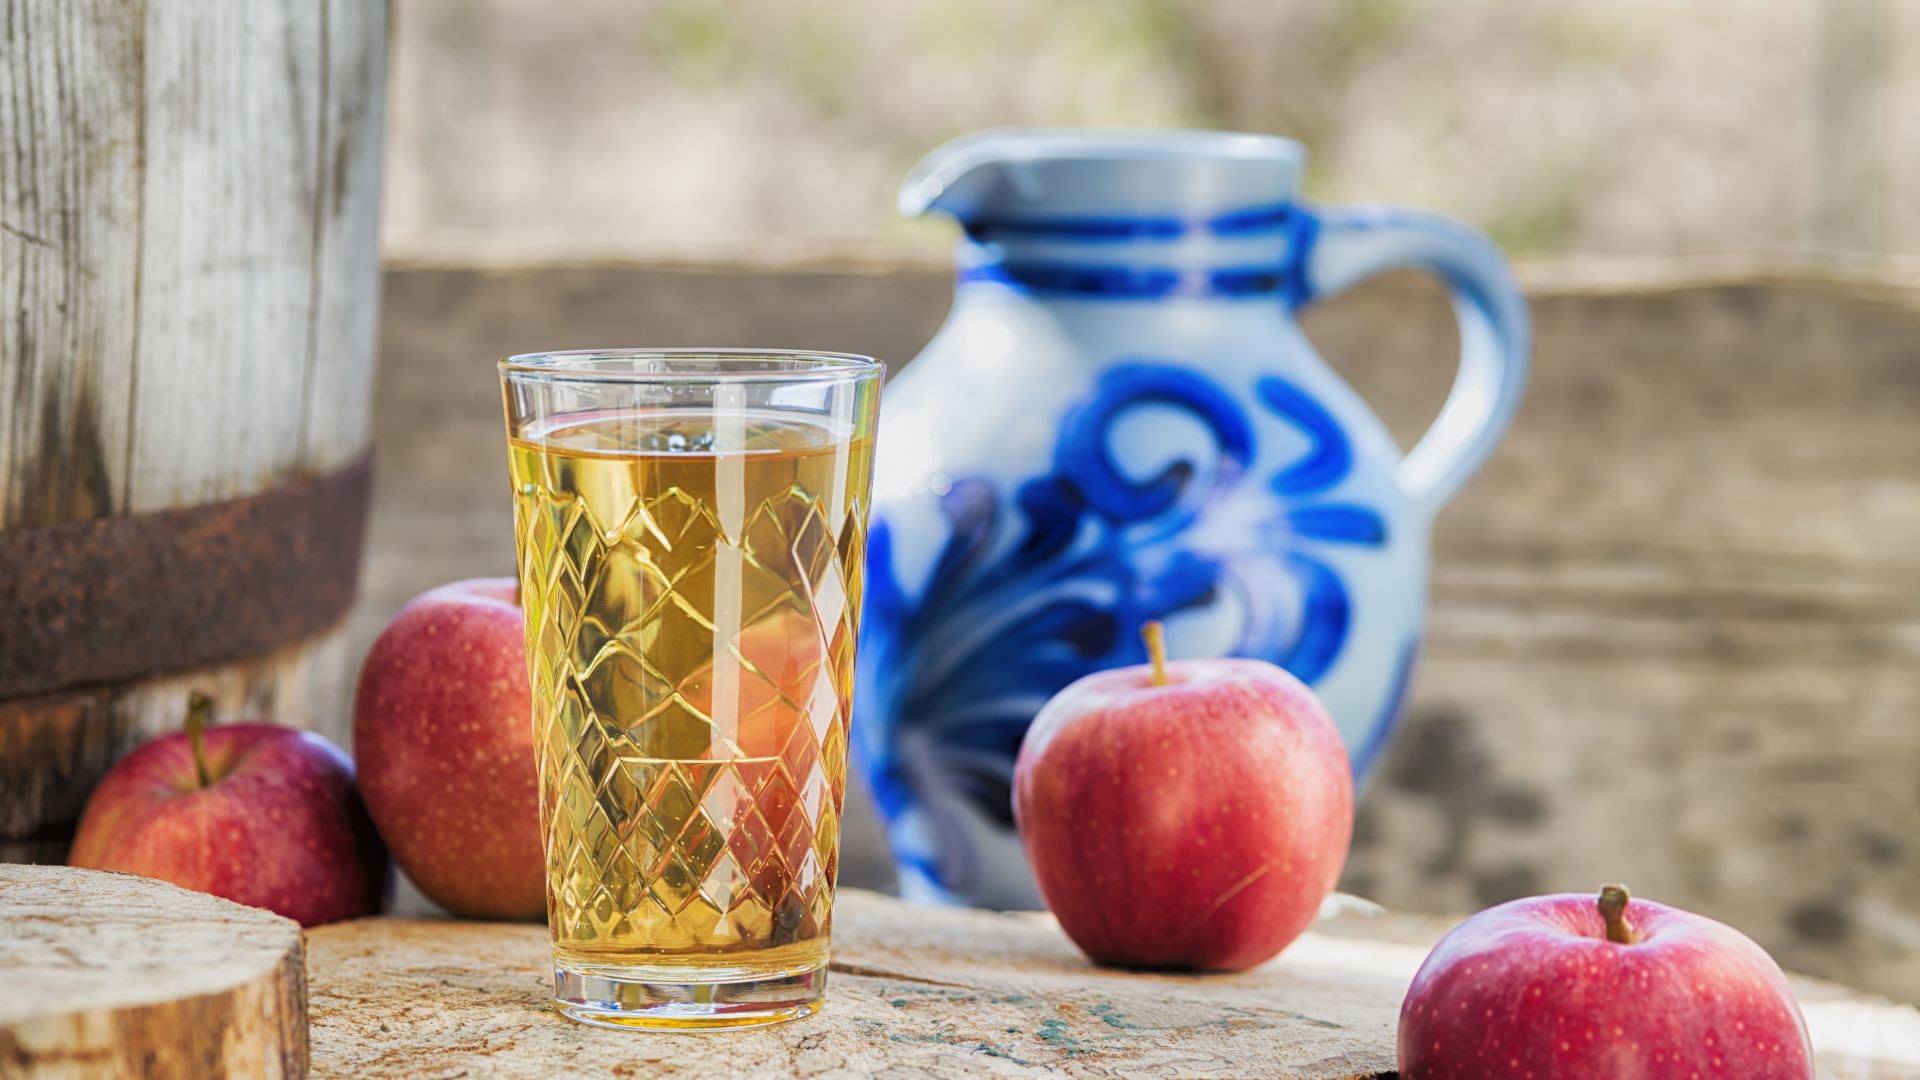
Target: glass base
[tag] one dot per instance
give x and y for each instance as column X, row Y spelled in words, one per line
column 653, row 1000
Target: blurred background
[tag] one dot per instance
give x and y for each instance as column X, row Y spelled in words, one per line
column 1676, row 599
column 1675, row 623
column 686, row 128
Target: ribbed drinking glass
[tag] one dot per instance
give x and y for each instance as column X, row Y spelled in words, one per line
column 691, row 532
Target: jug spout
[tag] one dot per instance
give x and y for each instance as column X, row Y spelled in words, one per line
column 1039, row 172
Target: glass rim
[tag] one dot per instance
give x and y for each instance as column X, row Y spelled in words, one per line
column 800, row 366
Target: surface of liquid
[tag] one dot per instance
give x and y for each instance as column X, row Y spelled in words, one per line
column 691, row 585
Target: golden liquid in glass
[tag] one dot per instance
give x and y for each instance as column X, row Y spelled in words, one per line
column 691, row 584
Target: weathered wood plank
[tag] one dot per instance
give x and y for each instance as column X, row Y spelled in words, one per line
column 233, row 101
column 344, row 320
column 70, row 228
column 189, row 202
column 1676, row 622
column 114, row 975
column 940, row 993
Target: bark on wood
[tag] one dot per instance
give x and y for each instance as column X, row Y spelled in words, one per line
column 114, row 975
column 939, row 993
column 189, row 201
column 1675, row 635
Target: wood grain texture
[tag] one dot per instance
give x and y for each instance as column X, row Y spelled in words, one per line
column 343, row 325
column 71, row 145
column 114, row 975
column 189, row 267
column 1675, row 635
column 228, row 259
column 189, row 206
column 938, row 993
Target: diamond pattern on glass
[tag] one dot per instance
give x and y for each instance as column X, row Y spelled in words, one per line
column 691, row 651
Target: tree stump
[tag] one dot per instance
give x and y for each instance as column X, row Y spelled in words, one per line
column 110, row 974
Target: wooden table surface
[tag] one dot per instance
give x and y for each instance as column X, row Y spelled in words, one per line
column 933, row 992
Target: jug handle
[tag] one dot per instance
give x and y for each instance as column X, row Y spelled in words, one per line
column 1348, row 244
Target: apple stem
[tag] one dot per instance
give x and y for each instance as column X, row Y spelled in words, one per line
column 1156, row 639
column 199, row 711
column 1613, row 908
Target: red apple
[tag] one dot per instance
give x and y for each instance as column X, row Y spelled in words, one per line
column 1562, row 987
column 443, row 729
column 1192, row 814
column 779, row 752
column 259, row 814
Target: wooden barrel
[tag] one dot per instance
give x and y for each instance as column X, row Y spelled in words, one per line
column 189, row 284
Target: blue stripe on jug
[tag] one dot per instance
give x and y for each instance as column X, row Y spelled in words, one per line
column 1009, row 262
column 1119, row 281
column 1126, row 228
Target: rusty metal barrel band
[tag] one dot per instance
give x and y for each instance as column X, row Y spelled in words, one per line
column 114, row 599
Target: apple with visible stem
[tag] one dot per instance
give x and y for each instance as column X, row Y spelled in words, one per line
column 1615, row 989
column 1189, row 814
column 443, row 729
column 259, row 814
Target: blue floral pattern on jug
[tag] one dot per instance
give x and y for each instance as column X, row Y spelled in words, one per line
column 1170, row 449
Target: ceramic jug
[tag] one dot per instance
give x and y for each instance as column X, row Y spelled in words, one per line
column 1119, row 421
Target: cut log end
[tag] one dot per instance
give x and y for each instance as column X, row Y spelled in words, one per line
column 111, row 974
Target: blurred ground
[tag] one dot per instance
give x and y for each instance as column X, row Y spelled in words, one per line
column 613, row 127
